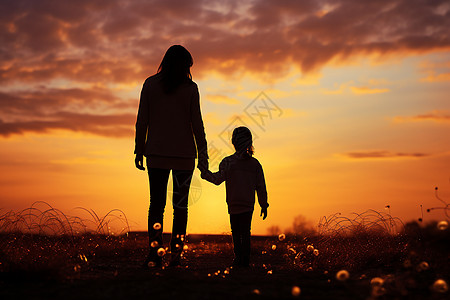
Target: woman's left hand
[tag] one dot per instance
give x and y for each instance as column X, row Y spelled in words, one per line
column 139, row 162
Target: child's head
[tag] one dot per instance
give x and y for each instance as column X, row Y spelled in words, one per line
column 242, row 140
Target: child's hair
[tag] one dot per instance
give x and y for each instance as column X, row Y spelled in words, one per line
column 242, row 141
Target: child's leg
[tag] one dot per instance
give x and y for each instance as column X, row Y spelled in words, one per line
column 245, row 224
column 236, row 234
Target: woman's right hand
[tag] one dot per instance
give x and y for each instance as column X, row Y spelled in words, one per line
column 203, row 164
column 139, row 162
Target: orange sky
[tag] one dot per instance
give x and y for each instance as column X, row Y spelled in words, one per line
column 355, row 103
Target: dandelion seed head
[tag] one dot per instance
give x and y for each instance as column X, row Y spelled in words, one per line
column 442, row 225
column 151, row 264
column 376, row 281
column 281, row 237
column 316, row 252
column 185, row 247
column 407, row 263
column 292, row 250
column 310, row 248
column 274, row 247
column 423, row 266
column 154, row 244
column 378, row 291
column 342, row 275
column 440, row 286
column 161, row 252
column 157, row 226
column 295, row 291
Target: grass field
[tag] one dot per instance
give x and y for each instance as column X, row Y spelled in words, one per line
column 370, row 264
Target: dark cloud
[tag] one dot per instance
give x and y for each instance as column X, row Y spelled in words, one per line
column 436, row 116
column 439, row 117
column 108, row 42
column 94, row 110
column 129, row 38
column 383, row 154
column 106, row 125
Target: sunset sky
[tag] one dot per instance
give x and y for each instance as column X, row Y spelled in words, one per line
column 357, row 97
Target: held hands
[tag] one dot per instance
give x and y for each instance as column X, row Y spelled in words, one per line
column 263, row 213
column 202, row 164
column 139, row 162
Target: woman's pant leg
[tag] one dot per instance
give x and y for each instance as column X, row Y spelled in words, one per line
column 181, row 184
column 158, row 179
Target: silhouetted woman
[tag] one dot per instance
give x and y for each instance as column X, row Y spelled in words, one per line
column 170, row 133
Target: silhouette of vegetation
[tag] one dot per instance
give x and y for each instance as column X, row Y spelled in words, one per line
column 366, row 255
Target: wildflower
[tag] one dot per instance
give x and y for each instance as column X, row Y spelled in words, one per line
column 378, row 291
column 376, row 281
column 295, row 291
column 442, row 225
column 407, row 263
column 161, row 252
column 342, row 275
column 423, row 266
column 269, row 272
column 440, row 286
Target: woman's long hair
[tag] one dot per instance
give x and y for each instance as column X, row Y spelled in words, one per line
column 175, row 67
column 242, row 141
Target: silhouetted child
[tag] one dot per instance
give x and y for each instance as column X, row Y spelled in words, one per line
column 243, row 175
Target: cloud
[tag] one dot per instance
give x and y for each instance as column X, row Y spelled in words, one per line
column 436, row 77
column 105, row 43
column 436, row 116
column 123, row 41
column 222, row 99
column 90, row 110
column 382, row 154
column 109, row 125
column 367, row 90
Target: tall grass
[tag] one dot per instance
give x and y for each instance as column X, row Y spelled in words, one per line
column 42, row 242
column 41, row 218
